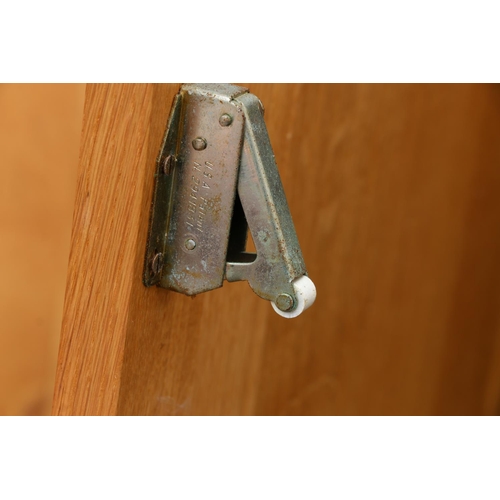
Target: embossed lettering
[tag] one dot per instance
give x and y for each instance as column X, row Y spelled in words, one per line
column 198, row 205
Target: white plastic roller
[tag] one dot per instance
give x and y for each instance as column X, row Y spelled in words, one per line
column 306, row 295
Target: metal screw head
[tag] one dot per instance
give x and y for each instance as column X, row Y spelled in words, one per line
column 261, row 106
column 190, row 244
column 285, row 302
column 225, row 120
column 157, row 263
column 199, row 144
column 168, row 164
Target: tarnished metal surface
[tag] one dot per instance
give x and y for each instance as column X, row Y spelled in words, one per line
column 215, row 173
column 279, row 259
column 200, row 190
column 161, row 205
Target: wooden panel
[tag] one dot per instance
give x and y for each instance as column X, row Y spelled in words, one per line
column 122, row 130
column 399, row 228
column 40, row 127
column 393, row 190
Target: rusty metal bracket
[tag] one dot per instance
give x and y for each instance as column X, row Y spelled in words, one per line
column 216, row 177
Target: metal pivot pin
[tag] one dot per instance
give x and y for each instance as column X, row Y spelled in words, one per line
column 222, row 180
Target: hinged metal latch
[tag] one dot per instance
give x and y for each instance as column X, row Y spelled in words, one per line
column 216, row 177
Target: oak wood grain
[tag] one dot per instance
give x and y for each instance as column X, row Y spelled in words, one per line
column 394, row 193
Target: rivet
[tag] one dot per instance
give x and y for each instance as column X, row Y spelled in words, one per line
column 225, row 120
column 285, row 302
column 190, row 244
column 157, row 263
column 199, row 144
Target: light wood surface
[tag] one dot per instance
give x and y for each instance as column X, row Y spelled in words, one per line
column 40, row 128
column 394, row 194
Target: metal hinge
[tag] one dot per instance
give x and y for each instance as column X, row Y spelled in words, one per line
column 216, row 177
